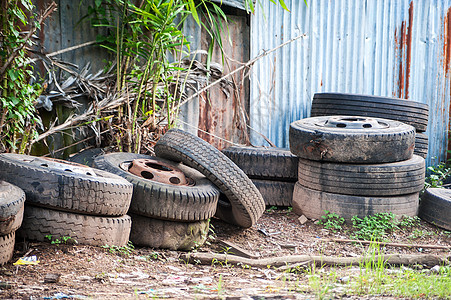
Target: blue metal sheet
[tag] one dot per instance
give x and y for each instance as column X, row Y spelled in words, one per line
column 376, row 47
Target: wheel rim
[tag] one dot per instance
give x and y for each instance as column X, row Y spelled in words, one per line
column 351, row 122
column 158, row 171
column 59, row 164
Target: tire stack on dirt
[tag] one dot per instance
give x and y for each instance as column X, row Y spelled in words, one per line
column 12, row 200
column 69, row 200
column 355, row 166
column 272, row 170
column 408, row 112
column 171, row 204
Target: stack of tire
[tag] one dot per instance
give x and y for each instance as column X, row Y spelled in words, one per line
column 406, row 111
column 355, row 166
column 178, row 191
column 12, row 201
column 272, row 170
column 65, row 199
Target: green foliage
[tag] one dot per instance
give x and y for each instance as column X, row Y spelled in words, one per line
column 18, row 89
column 332, row 221
column 62, row 240
column 120, row 250
column 437, row 174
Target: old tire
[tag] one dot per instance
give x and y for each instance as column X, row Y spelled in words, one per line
column 435, row 207
column 7, row 247
column 406, row 111
column 322, row 139
column 165, row 234
column 86, row 157
column 244, row 204
column 12, row 199
column 161, row 200
column 421, row 145
column 67, row 186
column 264, row 163
column 39, row 222
column 313, row 204
column 275, row 193
column 389, row 179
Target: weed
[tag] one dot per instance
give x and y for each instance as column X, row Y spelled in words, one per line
column 62, row 240
column 374, row 228
column 419, row 233
column 437, row 174
column 120, row 250
column 332, row 221
column 272, row 209
column 409, row 222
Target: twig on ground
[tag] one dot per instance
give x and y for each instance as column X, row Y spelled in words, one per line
column 388, row 244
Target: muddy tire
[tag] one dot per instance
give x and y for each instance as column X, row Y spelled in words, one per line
column 336, row 139
column 389, row 179
column 275, row 193
column 171, row 235
column 12, row 199
column 264, row 163
column 86, row 157
column 435, row 207
column 406, row 111
column 7, row 247
column 421, row 145
column 243, row 204
column 313, row 204
column 194, row 202
column 67, row 186
column 88, row 230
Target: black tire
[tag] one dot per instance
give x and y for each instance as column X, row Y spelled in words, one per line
column 244, row 204
column 67, row 186
column 275, row 193
column 314, row 139
column 12, row 199
column 39, row 222
column 421, row 145
column 165, row 234
column 435, row 207
column 86, row 157
column 264, row 163
column 389, row 179
column 7, row 247
column 406, row 111
column 165, row 201
column 313, row 204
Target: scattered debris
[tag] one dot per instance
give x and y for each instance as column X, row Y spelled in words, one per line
column 28, row 260
column 302, row 219
column 52, row 278
column 232, row 248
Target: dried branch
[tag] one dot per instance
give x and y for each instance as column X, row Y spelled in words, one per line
column 388, row 244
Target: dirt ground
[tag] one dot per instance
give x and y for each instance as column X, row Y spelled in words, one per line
column 94, row 272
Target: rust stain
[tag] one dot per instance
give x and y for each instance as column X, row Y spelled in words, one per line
column 404, row 48
column 446, row 65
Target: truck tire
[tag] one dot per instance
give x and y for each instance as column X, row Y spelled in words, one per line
column 275, row 193
column 40, row 222
column 67, row 186
column 313, row 204
column 435, row 207
column 351, row 140
column 243, row 204
column 389, row 179
column 163, row 200
column 7, row 247
column 12, row 200
column 277, row 164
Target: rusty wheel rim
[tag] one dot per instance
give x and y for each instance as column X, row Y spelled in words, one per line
column 158, row 171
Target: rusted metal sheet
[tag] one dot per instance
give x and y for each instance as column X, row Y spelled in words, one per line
column 376, row 47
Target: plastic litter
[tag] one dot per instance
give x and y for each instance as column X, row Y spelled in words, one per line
column 28, row 260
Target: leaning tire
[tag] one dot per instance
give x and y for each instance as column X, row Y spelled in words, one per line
column 244, row 204
column 7, row 247
column 171, row 235
column 313, row 204
column 86, row 157
column 406, row 111
column 375, row 141
column 435, row 207
column 275, row 193
column 12, row 199
column 89, row 230
column 67, row 186
column 264, row 163
column 389, row 179
column 194, row 202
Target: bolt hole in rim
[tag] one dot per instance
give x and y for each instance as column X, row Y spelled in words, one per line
column 345, row 122
column 157, row 171
column 62, row 165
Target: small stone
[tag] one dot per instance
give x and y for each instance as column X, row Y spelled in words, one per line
column 344, row 279
column 302, row 219
column 435, row 269
column 51, row 278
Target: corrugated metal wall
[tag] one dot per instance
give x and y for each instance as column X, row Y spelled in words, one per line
column 379, row 47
